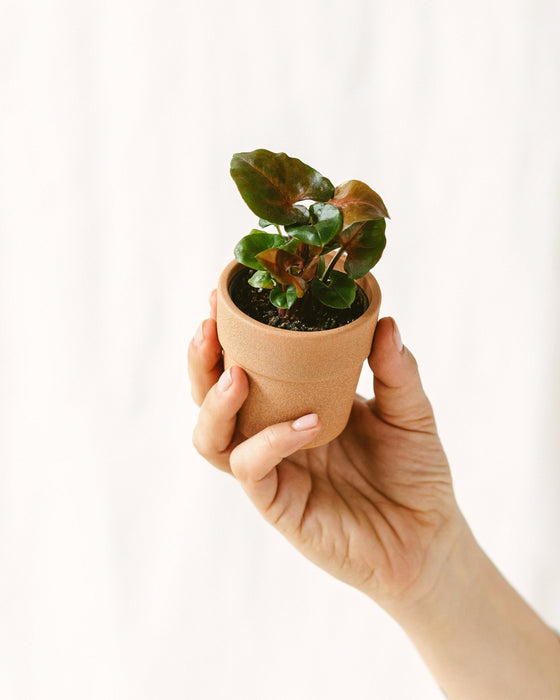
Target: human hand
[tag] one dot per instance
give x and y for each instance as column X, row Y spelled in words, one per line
column 375, row 507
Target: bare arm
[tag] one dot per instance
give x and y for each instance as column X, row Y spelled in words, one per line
column 478, row 637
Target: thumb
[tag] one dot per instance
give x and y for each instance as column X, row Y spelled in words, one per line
column 399, row 397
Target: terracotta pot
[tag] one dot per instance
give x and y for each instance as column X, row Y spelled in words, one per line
column 292, row 373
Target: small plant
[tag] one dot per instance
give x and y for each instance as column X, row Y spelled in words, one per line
column 310, row 219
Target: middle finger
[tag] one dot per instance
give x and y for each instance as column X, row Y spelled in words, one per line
column 215, row 429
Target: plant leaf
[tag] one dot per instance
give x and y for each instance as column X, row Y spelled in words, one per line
column 253, row 243
column 294, row 246
column 309, row 255
column 261, row 280
column 283, row 299
column 338, row 294
column 306, row 234
column 321, row 267
column 358, row 202
column 332, row 245
column 305, row 213
column 272, row 183
column 364, row 243
column 279, row 263
column 328, row 221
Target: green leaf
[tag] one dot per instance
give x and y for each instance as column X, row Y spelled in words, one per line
column 332, row 245
column 280, row 264
column 272, row 183
column 338, row 294
column 292, row 246
column 364, row 243
column 252, row 244
column 263, row 223
column 303, row 209
column 358, row 202
column 307, row 234
column 305, row 212
column 261, row 280
column 321, row 267
column 283, row 299
column 327, row 221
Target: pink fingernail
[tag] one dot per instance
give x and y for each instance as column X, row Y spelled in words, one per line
column 397, row 336
column 225, row 381
column 311, row 420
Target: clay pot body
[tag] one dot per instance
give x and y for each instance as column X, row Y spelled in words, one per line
column 292, row 373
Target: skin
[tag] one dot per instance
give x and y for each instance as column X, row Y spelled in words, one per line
column 376, row 509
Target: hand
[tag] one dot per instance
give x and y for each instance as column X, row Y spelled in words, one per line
column 375, row 507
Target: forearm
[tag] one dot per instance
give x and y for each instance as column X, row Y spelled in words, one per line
column 478, row 637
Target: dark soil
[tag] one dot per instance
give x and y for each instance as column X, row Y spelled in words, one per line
column 307, row 314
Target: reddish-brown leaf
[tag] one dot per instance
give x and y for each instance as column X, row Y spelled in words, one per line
column 358, row 202
column 279, row 263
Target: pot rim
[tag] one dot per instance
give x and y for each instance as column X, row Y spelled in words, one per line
column 368, row 284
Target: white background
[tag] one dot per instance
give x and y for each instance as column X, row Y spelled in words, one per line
column 130, row 569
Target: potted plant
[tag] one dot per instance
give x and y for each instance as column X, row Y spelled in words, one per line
column 297, row 307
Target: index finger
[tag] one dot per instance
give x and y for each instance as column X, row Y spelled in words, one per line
column 205, row 360
column 213, row 301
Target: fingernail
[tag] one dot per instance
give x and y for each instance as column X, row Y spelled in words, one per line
column 311, row 420
column 199, row 335
column 397, row 336
column 212, row 297
column 224, row 382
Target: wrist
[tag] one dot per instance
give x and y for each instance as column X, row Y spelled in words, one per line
column 476, row 634
column 456, row 560
column 443, row 560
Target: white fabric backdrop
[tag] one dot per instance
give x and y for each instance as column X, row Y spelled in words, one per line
column 129, row 569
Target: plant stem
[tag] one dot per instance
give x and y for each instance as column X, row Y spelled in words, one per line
column 278, row 229
column 325, row 277
column 307, row 303
column 282, row 312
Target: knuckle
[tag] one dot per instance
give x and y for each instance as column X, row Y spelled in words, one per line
column 422, row 417
column 270, row 438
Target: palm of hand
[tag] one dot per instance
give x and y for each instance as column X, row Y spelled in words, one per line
column 367, row 506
